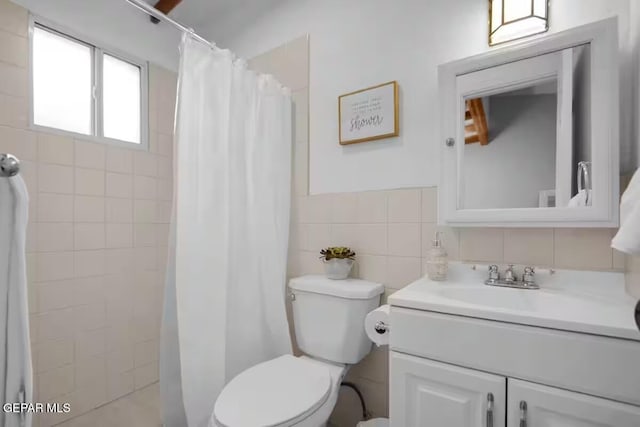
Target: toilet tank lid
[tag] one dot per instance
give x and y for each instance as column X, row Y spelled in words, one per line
column 347, row 288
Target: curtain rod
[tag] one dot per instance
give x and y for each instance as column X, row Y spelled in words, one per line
column 152, row 11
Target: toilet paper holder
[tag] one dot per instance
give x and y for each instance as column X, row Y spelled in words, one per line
column 381, row 327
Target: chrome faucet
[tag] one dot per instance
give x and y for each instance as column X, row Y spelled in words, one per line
column 509, row 275
column 528, row 277
column 510, row 279
column 494, row 275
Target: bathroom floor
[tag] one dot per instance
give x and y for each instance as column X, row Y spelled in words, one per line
column 139, row 409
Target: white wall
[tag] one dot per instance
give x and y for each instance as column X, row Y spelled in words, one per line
column 361, row 43
column 115, row 24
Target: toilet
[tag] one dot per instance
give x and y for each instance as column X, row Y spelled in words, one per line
column 302, row 391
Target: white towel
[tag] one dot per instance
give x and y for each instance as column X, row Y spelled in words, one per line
column 580, row 199
column 15, row 348
column 627, row 239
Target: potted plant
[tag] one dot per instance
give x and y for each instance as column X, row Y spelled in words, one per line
column 338, row 262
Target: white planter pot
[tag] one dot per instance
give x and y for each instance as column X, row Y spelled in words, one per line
column 338, row 269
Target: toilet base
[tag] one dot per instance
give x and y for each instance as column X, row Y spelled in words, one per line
column 376, row 422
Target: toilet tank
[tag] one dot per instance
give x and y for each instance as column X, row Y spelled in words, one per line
column 328, row 316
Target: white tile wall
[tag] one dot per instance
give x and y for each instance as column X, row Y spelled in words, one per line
column 94, row 277
column 633, row 275
column 55, row 149
column 89, row 209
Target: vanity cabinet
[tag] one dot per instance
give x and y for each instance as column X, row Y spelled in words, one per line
column 463, row 354
column 426, row 393
column 551, row 407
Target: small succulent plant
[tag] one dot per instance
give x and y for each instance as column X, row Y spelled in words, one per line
column 338, row 252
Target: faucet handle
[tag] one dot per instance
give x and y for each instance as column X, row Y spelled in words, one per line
column 528, row 275
column 494, row 274
column 509, row 275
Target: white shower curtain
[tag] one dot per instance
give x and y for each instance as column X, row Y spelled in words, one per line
column 15, row 353
column 225, row 296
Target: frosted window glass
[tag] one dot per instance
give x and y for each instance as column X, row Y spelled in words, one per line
column 496, row 14
column 519, row 29
column 121, row 99
column 62, row 82
column 540, row 8
column 515, row 9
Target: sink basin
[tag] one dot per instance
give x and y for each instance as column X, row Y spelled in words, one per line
column 521, row 300
column 490, row 297
column 591, row 302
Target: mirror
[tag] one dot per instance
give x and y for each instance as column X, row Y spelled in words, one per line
column 522, row 143
column 520, row 135
column 516, row 132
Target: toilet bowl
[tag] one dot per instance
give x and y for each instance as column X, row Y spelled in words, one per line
column 282, row 392
column 302, row 391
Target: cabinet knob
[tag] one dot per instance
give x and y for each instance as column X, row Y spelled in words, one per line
column 523, row 413
column 490, row 410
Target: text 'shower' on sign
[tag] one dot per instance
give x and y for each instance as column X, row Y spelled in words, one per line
column 369, row 114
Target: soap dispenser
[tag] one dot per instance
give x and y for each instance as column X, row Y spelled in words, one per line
column 437, row 262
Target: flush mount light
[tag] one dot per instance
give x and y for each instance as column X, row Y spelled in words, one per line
column 515, row 19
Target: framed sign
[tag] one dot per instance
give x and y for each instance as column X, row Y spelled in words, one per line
column 369, row 114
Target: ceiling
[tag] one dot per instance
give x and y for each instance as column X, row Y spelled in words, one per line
column 203, row 13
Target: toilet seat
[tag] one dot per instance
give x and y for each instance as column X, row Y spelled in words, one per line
column 280, row 392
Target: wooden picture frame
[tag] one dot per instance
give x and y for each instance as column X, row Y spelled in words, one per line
column 380, row 107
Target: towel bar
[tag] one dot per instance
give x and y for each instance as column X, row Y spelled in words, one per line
column 583, row 175
column 9, row 165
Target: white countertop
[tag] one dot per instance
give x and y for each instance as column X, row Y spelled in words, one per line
column 579, row 301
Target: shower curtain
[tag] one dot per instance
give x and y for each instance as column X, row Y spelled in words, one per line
column 15, row 356
column 225, row 296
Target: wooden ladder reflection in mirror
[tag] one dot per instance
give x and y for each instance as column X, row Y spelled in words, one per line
column 475, row 122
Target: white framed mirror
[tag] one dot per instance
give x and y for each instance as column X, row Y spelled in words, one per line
column 529, row 133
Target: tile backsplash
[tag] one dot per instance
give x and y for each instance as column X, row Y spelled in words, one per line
column 97, row 241
column 399, row 225
column 632, row 276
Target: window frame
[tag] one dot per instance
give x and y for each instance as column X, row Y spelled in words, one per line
column 97, row 119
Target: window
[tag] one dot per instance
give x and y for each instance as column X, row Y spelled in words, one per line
column 62, row 83
column 83, row 89
column 120, row 99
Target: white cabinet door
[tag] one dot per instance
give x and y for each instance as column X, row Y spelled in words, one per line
column 424, row 393
column 552, row 407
